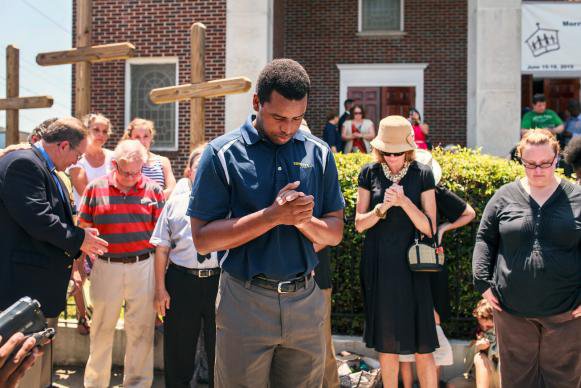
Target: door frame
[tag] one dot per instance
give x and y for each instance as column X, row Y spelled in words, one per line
column 382, row 74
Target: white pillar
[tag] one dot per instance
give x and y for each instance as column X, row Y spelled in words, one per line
column 248, row 49
column 494, row 75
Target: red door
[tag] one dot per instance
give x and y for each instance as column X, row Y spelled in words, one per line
column 369, row 97
column 559, row 92
column 397, row 100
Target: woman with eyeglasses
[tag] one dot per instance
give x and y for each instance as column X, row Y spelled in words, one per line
column 357, row 132
column 396, row 196
column 527, row 264
column 158, row 168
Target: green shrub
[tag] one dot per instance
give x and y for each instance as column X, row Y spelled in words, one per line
column 472, row 176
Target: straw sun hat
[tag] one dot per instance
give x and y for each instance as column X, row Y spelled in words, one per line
column 395, row 135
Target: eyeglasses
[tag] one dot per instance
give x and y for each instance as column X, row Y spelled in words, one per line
column 127, row 174
column 392, row 153
column 357, row 112
column 78, row 155
column 532, row 166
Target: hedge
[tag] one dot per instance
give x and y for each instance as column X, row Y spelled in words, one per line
column 474, row 177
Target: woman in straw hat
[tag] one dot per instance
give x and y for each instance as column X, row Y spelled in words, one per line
column 394, row 196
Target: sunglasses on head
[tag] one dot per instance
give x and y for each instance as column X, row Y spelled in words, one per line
column 392, row 153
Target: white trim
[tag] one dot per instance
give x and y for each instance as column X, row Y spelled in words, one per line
column 360, row 19
column 383, row 74
column 324, row 150
column 148, row 61
column 222, row 158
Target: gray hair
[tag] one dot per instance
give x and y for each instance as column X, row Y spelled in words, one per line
column 130, row 151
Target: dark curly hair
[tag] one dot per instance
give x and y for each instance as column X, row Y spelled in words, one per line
column 573, row 154
column 287, row 77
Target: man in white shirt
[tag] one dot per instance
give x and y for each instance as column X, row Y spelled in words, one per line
column 186, row 293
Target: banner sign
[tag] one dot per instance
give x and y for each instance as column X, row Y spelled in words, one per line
column 551, row 37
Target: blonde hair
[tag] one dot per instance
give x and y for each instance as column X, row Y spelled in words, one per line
column 409, row 155
column 196, row 152
column 90, row 118
column 483, row 310
column 130, row 151
column 537, row 137
column 136, row 123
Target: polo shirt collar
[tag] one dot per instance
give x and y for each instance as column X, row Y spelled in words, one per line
column 111, row 179
column 251, row 136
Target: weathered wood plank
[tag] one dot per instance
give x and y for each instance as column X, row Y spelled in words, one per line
column 15, row 103
column 197, row 105
column 208, row 89
column 93, row 54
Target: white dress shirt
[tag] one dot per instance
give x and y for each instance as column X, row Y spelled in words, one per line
column 173, row 230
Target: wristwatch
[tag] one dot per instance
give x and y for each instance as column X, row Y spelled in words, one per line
column 377, row 211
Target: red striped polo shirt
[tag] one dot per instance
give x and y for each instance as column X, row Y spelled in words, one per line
column 125, row 220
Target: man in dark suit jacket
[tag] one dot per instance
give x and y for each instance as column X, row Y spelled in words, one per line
column 39, row 240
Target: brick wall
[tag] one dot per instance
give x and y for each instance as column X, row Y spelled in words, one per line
column 158, row 28
column 320, row 34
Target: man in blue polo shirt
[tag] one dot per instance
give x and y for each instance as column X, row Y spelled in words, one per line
column 264, row 193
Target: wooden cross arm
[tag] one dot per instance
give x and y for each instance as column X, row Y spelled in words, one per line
column 106, row 52
column 208, row 89
column 25, row 102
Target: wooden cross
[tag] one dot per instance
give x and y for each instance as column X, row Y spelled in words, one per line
column 13, row 103
column 199, row 90
column 85, row 55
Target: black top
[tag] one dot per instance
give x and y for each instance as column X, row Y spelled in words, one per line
column 530, row 255
column 332, row 136
column 323, row 269
column 450, row 206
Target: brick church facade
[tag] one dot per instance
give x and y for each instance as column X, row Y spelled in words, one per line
column 427, row 43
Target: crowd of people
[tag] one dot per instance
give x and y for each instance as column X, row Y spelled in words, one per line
column 353, row 132
column 239, row 249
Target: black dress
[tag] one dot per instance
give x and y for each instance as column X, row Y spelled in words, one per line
column 399, row 317
column 450, row 208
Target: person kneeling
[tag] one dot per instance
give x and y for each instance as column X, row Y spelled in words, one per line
column 481, row 360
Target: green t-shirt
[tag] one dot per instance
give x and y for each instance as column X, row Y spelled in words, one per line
column 547, row 119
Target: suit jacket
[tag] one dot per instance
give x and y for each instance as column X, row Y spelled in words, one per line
column 38, row 238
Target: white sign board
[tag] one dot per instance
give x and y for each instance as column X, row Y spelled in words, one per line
column 551, row 37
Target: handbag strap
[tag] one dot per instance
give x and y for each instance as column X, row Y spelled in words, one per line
column 434, row 234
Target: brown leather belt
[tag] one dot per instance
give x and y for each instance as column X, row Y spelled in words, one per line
column 127, row 259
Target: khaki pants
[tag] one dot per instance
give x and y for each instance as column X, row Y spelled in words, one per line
column 111, row 284
column 266, row 339
column 539, row 352
column 331, row 376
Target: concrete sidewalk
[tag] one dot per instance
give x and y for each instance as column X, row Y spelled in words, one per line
column 72, row 377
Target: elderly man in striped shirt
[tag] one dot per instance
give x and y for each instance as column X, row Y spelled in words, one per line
column 124, row 206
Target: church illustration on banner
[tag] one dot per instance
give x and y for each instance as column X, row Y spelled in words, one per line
column 543, row 41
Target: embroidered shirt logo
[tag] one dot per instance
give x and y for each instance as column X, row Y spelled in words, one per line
column 302, row 165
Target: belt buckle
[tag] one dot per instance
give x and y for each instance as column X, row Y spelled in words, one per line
column 280, row 284
column 204, row 273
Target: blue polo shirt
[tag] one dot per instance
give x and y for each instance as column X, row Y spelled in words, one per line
column 241, row 173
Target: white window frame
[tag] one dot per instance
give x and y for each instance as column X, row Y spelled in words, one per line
column 378, row 32
column 382, row 75
column 151, row 61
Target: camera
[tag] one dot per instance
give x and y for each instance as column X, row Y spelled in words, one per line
column 23, row 316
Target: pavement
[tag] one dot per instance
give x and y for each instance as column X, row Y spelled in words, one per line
column 72, row 377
